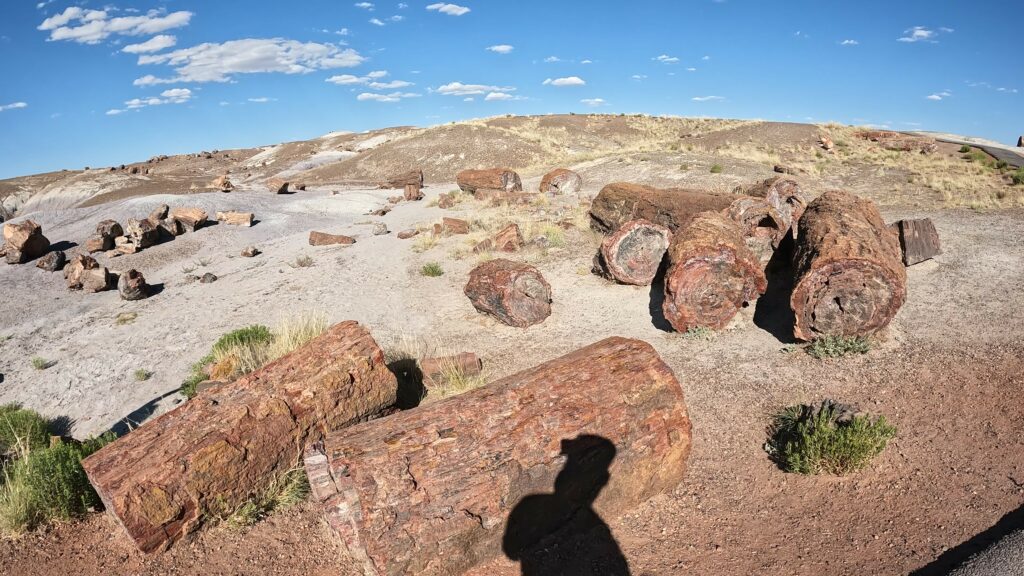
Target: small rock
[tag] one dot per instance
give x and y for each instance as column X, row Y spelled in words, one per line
column 52, row 261
column 325, row 239
column 222, row 183
column 98, row 244
column 394, row 199
column 132, row 286
column 250, row 251
column 380, row 211
column 191, row 278
column 407, row 233
column 24, row 241
column 454, row 226
column 278, row 185
column 379, row 229
column 97, row 279
column 208, row 278
column 509, row 239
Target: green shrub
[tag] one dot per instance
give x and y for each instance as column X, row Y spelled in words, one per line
column 716, row 168
column 965, row 149
column 40, row 363
column 1001, row 165
column 432, row 269
column 699, row 333
column 48, row 484
column 836, row 346
column 243, row 337
column 829, row 438
column 141, row 375
column 21, row 430
column 1018, row 177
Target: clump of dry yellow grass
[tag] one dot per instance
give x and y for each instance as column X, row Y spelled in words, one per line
column 247, row 356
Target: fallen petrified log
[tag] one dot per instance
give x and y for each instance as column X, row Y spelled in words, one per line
column 325, row 239
column 848, row 277
column 24, row 241
column 758, row 219
column 142, row 233
column 405, row 179
column 919, row 241
column 442, row 488
column 235, row 218
column 210, row 454
column 711, row 274
column 513, row 292
column 191, row 219
column 620, row 202
column 500, row 179
column 785, row 196
column 412, row 192
column 561, row 181
column 633, row 253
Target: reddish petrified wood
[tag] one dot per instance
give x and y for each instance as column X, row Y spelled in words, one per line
column 278, row 185
column 633, row 254
column 76, row 268
column 454, row 226
column 711, row 274
column 848, row 277
column 785, row 196
column 508, row 239
column 325, row 239
column 513, row 292
column 620, row 202
column 500, row 179
column 412, row 192
column 210, row 454
column 919, row 240
column 405, row 179
column 431, row 491
column 191, row 219
column 561, row 181
column 757, row 218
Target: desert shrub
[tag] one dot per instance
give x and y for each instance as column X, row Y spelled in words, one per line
column 699, row 333
column 1018, row 176
column 837, row 346
column 21, row 430
column 716, row 168
column 965, row 149
column 125, row 318
column 40, row 363
column 828, row 438
column 141, row 375
column 1001, row 165
column 289, row 489
column 304, row 261
column 455, row 380
column 432, row 269
column 48, row 484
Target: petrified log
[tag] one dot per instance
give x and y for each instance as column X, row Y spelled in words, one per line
column 412, row 192
column 24, row 241
column 785, row 196
column 142, row 233
column 278, row 185
column 508, row 239
column 848, row 277
column 325, row 239
column 633, row 253
column 191, row 219
column 437, row 371
column 132, row 286
column 919, row 241
column 500, row 179
column 159, row 213
column 561, row 181
column 454, row 226
column 52, row 261
column 757, row 218
column 235, row 218
column 210, row 454
column 405, row 179
column 620, row 202
column 711, row 274
column 98, row 244
column 439, row 489
column 513, row 292
column 74, row 270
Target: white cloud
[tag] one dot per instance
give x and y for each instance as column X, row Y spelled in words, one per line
column 365, row 5
column 114, row 112
column 666, row 59
column 94, row 26
column 594, row 102
column 449, row 9
column 170, row 96
column 552, row 59
column 342, row 32
column 468, row 99
column 638, row 77
column 705, row 58
column 262, row 100
column 586, row 62
column 497, row 96
column 13, row 106
column 501, row 48
column 921, row 34
column 939, row 95
column 368, row 80
column 567, row 81
column 691, row 69
column 177, row 95
column 154, row 44
column 402, row 5
column 211, row 62
column 376, row 22
column 460, row 89
column 849, row 42
column 389, row 85
column 933, row 97
column 392, row 97
column 946, row 30
column 707, row 98
column 396, row 18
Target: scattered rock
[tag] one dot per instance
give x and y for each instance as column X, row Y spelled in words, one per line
column 109, row 229
column 52, row 261
column 98, row 244
column 405, row 179
column 132, row 286
column 445, row 200
column 191, row 278
column 134, row 170
column 235, row 218
column 250, row 251
column 142, row 233
column 407, row 233
column 124, row 245
column 485, row 245
column 158, row 213
column 301, row 186
column 24, row 241
column 191, row 218
column 513, row 292
column 782, row 169
column 170, row 228
column 919, row 241
column 208, row 278
column 509, row 239
column 413, row 192
column 278, row 185
column 380, row 228
column 222, row 183
column 500, row 179
column 454, row 226
column 98, row 279
column 325, row 239
column 561, row 181
column 380, row 211
column 73, row 271
column 826, row 142
column 395, row 199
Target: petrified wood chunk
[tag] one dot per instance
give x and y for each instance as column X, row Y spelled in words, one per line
column 278, row 185
column 142, row 233
column 213, row 452
column 191, row 219
column 413, row 192
column 235, row 218
column 98, row 244
column 132, row 285
column 620, row 202
column 159, row 213
column 97, row 279
column 325, row 239
column 711, row 274
column 919, row 240
column 561, row 181
column 109, row 229
column 758, row 219
column 500, row 179
column 508, row 239
column 405, row 179
column 513, row 292
column 454, row 226
column 785, row 196
column 447, row 486
column 848, row 276
column 52, row 261
column 222, row 183
column 24, row 241
column 74, row 270
column 633, row 253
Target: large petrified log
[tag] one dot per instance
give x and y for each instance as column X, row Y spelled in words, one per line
column 190, row 218
column 633, row 254
column 785, row 196
column 620, row 202
column 24, row 241
column 513, row 292
column 711, row 274
column 848, row 277
column 500, row 179
column 210, row 454
column 561, row 181
column 405, row 179
column 919, row 241
column 758, row 219
column 437, row 490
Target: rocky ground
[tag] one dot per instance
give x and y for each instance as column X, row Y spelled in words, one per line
column 947, row 372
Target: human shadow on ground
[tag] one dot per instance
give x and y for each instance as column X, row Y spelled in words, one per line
column 773, row 313
column 410, row 383
column 954, row 557
column 138, row 416
column 561, row 533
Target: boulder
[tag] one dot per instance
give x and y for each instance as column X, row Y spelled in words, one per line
column 222, row 183
column 169, row 228
column 508, row 239
column 98, row 279
column 208, row 278
column 919, row 241
column 132, row 286
column 325, row 239
column 278, row 185
column 109, row 229
column 250, row 251
column 500, row 179
column 513, row 292
column 52, row 261
column 633, row 253
column 142, row 233
column 826, row 142
column 24, row 241
column 414, row 177
column 407, row 233
column 76, row 267
column 191, row 218
column 235, row 218
column 454, row 226
column 98, row 244
column 124, row 245
column 413, row 192
column 561, row 181
column 380, row 228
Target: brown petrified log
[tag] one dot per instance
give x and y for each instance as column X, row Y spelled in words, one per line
column 142, row 233
column 405, row 179
column 412, row 192
column 633, row 253
column 235, row 218
column 711, row 274
column 848, row 277
column 325, row 239
column 620, row 202
column 513, row 292
column 500, row 179
column 191, row 219
column 75, row 269
column 447, row 486
column 210, row 454
column 24, row 241
column 919, row 241
column 508, row 239
column 561, row 181
column 785, row 196
column 278, row 185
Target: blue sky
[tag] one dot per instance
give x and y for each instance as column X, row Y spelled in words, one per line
column 94, row 83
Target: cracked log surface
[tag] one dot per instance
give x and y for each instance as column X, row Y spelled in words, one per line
column 786, row 197
column 849, row 278
column 210, row 454
column 513, row 292
column 711, row 273
column 674, row 208
column 490, row 179
column 428, row 491
column 633, row 253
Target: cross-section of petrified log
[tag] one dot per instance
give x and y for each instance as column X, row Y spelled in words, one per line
column 633, row 253
column 436, row 490
column 513, row 292
column 711, row 274
column 848, row 276
column 213, row 452
column 561, row 181
column 491, row 179
column 758, row 219
column 785, row 195
column 620, row 202
column 919, row 240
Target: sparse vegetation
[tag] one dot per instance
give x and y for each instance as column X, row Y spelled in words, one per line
column 125, row 318
column 699, row 333
column 304, row 261
column 432, row 269
column 141, row 375
column 40, row 363
column 965, row 149
column 424, row 242
column 455, row 380
column 828, row 438
column 837, row 346
column 716, row 168
column 21, row 430
column 289, row 489
column 1017, row 177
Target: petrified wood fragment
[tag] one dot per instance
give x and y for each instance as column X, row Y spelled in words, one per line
column 500, row 179
column 561, row 181
column 513, row 292
column 919, row 240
